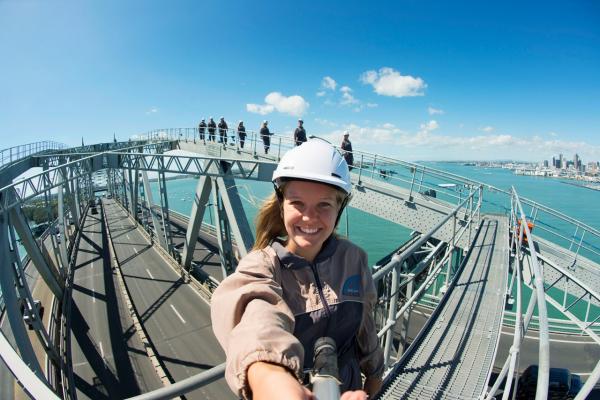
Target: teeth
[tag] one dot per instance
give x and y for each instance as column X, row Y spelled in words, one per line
column 308, row 230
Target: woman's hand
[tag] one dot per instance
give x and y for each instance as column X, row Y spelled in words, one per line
column 354, row 395
column 271, row 381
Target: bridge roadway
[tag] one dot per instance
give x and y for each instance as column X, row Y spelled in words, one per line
column 107, row 357
column 453, row 355
column 175, row 317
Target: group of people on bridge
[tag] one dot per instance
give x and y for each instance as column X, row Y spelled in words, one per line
column 207, row 131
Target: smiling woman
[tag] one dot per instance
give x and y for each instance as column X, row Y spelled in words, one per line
column 299, row 283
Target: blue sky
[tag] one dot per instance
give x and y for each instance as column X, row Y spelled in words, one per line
column 409, row 79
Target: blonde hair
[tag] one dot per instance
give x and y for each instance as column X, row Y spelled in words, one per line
column 269, row 221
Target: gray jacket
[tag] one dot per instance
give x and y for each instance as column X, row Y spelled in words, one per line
column 276, row 305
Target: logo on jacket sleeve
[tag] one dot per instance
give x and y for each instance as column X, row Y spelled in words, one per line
column 351, row 286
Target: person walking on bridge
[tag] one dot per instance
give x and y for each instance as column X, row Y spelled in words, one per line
column 301, row 281
column 201, row 130
column 223, row 131
column 212, row 127
column 241, row 130
column 300, row 133
column 265, row 134
column 347, row 150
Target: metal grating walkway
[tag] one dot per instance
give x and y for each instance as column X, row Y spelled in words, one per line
column 452, row 357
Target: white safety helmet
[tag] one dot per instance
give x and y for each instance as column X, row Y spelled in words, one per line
column 265, row 122
column 316, row 160
column 241, row 122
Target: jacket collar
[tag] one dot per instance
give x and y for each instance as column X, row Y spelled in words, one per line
column 290, row 260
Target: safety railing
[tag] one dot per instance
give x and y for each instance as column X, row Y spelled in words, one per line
column 16, row 153
column 394, row 266
column 521, row 236
column 574, row 237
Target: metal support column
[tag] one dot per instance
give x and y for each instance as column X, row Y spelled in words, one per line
column 223, row 234
column 62, row 231
column 48, row 273
column 232, row 203
column 203, row 189
column 25, row 295
column 164, row 207
column 13, row 311
column 150, row 210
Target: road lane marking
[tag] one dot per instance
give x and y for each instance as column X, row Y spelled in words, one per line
column 179, row 315
column 92, row 265
column 101, row 350
column 148, row 271
column 127, row 236
column 134, row 249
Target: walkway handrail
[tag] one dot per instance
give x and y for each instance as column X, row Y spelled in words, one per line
column 16, row 153
column 397, row 259
column 184, row 386
column 414, row 176
column 544, row 346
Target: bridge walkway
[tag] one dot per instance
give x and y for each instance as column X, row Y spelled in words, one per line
column 453, row 355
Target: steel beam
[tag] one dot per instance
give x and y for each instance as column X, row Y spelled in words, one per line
column 201, row 197
column 9, row 295
column 42, row 265
column 232, row 203
column 150, row 204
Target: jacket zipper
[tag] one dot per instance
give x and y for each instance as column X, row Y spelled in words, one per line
column 320, row 289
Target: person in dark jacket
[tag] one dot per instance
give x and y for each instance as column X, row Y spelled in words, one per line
column 223, row 131
column 300, row 133
column 265, row 134
column 241, row 129
column 212, row 127
column 202, row 130
column 347, row 150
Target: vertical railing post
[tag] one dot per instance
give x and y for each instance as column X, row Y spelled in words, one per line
column 391, row 317
column 421, row 180
column 373, row 166
column 279, row 150
column 360, row 169
column 412, row 183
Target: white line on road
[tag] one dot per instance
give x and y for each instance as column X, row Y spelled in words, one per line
column 179, row 315
column 148, row 271
column 127, row 236
column 134, row 249
column 92, row 265
column 101, row 349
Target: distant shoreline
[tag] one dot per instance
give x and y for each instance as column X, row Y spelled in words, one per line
column 591, row 187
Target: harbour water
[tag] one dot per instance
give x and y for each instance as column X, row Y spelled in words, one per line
column 366, row 230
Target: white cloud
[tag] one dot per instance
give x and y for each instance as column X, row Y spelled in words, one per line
column 326, row 122
column 321, row 93
column 434, row 111
column 345, row 89
column 387, row 138
column 487, row 129
column 347, row 98
column 553, row 134
column 328, row 83
column 429, row 126
column 293, row 105
column 153, row 110
column 372, row 105
column 260, row 109
column 389, row 82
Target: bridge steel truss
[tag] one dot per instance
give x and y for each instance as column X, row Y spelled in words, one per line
column 69, row 173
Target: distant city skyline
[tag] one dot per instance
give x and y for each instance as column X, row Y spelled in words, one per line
column 410, row 80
